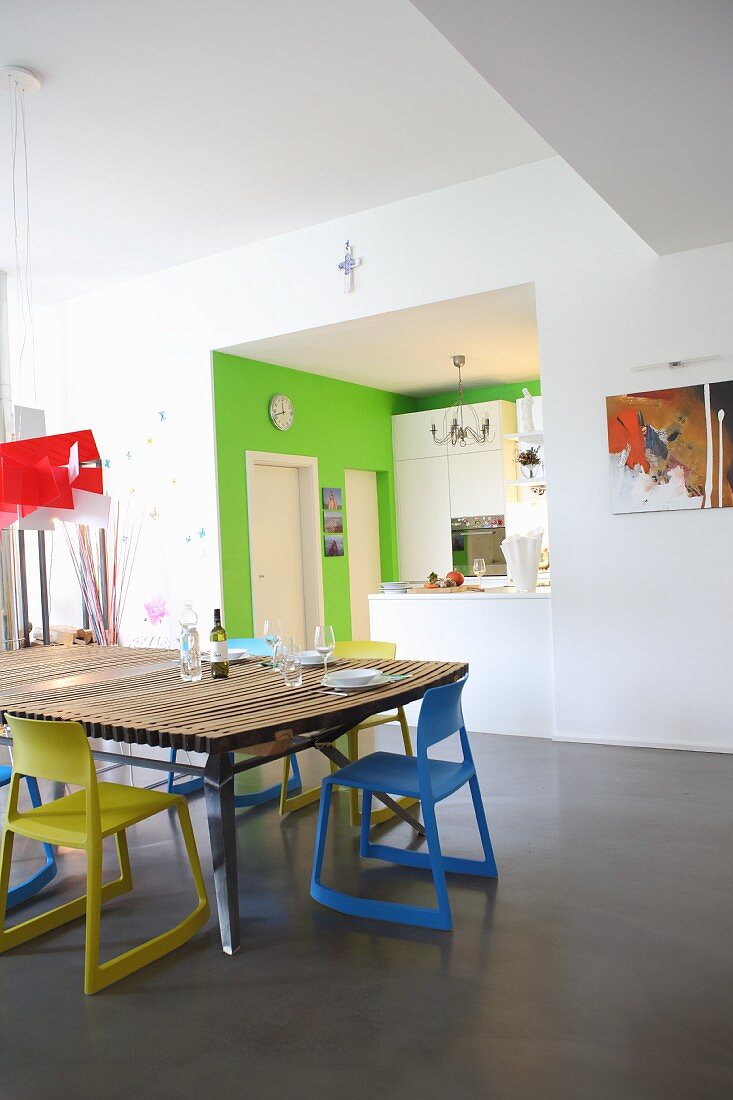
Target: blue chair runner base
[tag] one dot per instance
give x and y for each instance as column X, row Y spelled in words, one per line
column 255, row 798
column 25, row 890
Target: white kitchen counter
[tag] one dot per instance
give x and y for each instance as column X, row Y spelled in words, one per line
column 507, row 592
column 504, row 635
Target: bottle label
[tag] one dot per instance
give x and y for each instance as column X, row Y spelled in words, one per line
column 219, row 652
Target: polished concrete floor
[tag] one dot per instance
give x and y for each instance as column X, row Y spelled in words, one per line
column 600, row 964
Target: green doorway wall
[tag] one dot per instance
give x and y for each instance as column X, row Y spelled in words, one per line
column 341, row 424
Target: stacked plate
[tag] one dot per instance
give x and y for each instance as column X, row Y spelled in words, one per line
column 391, row 587
column 355, row 679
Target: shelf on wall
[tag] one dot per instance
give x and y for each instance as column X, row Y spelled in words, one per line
column 525, row 437
column 527, row 482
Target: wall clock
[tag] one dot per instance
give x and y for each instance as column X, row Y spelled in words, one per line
column 282, row 412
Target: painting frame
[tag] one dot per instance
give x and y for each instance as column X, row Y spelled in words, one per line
column 671, row 449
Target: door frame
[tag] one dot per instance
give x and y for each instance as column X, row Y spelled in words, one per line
column 310, row 530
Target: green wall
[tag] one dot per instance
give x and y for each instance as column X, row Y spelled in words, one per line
column 343, row 425
column 511, row 391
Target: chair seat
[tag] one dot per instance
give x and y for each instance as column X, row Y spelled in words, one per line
column 64, row 820
column 5, row 774
column 395, row 774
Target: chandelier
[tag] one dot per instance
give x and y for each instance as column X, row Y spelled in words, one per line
column 461, row 433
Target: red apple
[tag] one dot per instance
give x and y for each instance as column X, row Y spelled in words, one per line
column 455, row 576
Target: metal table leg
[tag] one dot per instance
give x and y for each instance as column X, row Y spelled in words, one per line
column 332, row 753
column 219, row 793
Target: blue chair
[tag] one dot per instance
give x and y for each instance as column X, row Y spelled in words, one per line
column 419, row 777
column 258, row 647
column 24, row 890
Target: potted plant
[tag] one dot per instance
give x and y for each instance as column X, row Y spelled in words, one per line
column 530, row 463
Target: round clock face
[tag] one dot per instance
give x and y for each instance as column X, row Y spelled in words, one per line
column 282, row 413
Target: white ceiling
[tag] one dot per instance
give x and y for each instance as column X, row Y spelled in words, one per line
column 636, row 95
column 410, row 351
column 169, row 130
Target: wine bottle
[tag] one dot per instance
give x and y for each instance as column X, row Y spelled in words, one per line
column 219, row 654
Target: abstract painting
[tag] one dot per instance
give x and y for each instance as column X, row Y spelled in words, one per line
column 671, row 448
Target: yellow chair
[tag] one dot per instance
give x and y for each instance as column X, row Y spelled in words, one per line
column 60, row 751
column 357, row 651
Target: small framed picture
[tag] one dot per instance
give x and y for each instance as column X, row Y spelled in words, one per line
column 331, row 500
column 333, row 523
column 333, row 546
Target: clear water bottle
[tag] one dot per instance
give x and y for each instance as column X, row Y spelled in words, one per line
column 190, row 644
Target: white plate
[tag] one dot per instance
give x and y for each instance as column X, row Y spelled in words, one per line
column 313, row 657
column 343, row 681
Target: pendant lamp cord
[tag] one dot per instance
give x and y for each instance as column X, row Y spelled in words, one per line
column 23, row 264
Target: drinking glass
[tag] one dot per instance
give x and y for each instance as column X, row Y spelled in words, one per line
column 272, row 634
column 291, row 667
column 325, row 644
column 479, row 568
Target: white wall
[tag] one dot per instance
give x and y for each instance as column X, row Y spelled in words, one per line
column 640, row 630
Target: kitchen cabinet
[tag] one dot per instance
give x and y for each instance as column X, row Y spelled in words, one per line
column 412, row 438
column 476, row 483
column 423, row 516
column 433, row 484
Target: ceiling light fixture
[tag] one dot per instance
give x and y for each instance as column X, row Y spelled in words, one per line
column 460, row 433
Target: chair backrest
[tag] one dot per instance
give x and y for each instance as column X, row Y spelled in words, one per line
column 257, row 646
column 52, row 750
column 358, row 651
column 440, row 715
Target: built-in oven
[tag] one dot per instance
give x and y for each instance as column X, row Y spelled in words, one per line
column 478, row 537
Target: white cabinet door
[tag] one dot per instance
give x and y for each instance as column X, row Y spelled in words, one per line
column 423, row 517
column 412, row 436
column 476, row 483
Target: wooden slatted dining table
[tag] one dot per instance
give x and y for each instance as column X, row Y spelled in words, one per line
column 136, row 697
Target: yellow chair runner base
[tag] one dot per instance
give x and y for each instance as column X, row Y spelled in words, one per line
column 60, row 751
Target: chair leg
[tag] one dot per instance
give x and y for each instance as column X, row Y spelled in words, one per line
column 288, row 802
column 6, row 858
column 98, row 976
column 182, row 786
column 353, row 754
column 483, row 828
column 93, row 917
column 437, row 864
column 322, row 829
column 406, row 739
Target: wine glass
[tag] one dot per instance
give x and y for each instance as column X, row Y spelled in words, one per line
column 325, row 644
column 272, row 634
column 291, row 667
column 479, row 568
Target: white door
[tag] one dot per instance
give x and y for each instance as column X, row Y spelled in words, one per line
column 365, row 574
column 423, row 517
column 275, row 541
